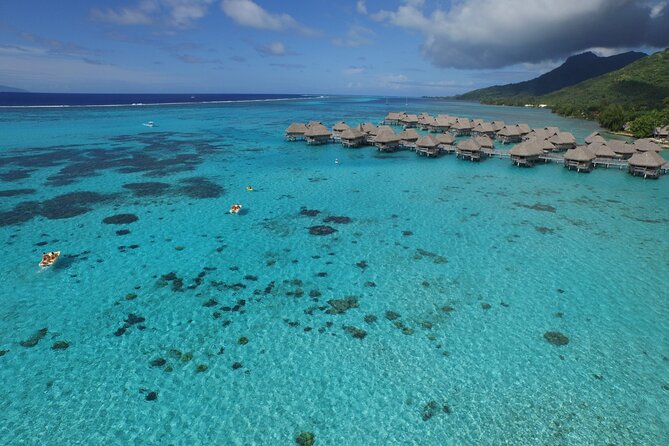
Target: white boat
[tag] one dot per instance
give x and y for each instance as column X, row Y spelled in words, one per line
column 149, row 124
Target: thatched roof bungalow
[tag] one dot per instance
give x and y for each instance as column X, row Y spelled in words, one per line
column 661, row 132
column 509, row 134
column 295, row 131
column 646, row 145
column 409, row 121
column 526, row 154
column 484, row 141
column 352, row 137
column 425, row 121
column 646, row 164
column 469, row 150
column 523, row 129
column 483, row 129
column 580, row 158
column 594, row 137
column 603, row 151
column 338, row 128
column 497, row 125
column 441, row 124
column 445, row 142
column 392, row 118
column 317, row 134
column 544, row 144
column 408, row 138
column 366, row 127
column 462, row 127
column 621, row 148
column 428, row 146
column 386, row 140
column 563, row 141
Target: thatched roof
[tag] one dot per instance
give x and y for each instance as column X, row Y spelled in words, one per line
column 580, row 153
column 509, row 130
column 621, row 147
column 352, row 133
column 310, row 123
column 484, row 141
column 563, row 138
column 409, row 118
column 469, row 145
column 317, row 130
column 543, row 144
column 497, row 125
column 444, row 138
column 296, row 127
column 646, row 159
column 462, row 124
column 526, row 148
column 427, row 141
column 538, row 134
column 409, row 135
column 442, row 121
column 594, row 137
column 476, row 122
column 340, row 126
column 524, row 129
column 484, row 127
column 646, row 144
column 424, row 118
column 386, row 136
column 366, row 127
column 602, row 150
column 551, row 131
column 392, row 116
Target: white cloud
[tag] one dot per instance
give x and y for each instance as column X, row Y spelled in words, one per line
column 273, row 49
column 172, row 13
column 497, row 33
column 361, row 7
column 249, row 13
column 356, row 36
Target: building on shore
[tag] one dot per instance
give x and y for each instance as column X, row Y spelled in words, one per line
column 662, row 133
column 563, row 141
column 296, row 131
column 337, row 130
column 581, row 158
column 317, row 134
column 386, row 140
column 646, row 164
column 353, row 137
column 428, row 146
column 526, row 153
column 469, row 150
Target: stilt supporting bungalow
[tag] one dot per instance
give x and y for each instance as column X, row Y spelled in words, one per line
column 427, row 146
column 295, row 131
column 646, row 164
column 469, row 150
column 317, row 134
column 526, row 154
column 581, row 158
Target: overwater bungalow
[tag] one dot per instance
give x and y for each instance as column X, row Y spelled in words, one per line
column 469, row 150
column 526, row 154
column 594, row 137
column 645, row 164
column 563, row 141
column 408, row 138
column 603, row 151
column 295, row 131
column 646, row 145
column 544, row 144
column 445, row 142
column 317, row 134
column 484, row 141
column 497, row 125
column 509, row 134
column 366, row 127
column 310, row 123
column 483, row 129
column 409, row 121
column 353, row 137
column 428, row 146
column 580, row 158
column 392, row 118
column 462, row 127
column 523, row 129
column 441, row 124
column 386, row 140
column 338, row 128
column 551, row 131
column 426, row 123
column 476, row 122
column 371, row 133
column 621, row 148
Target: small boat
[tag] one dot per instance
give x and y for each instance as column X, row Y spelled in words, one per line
column 49, row 258
column 235, row 208
column 149, row 124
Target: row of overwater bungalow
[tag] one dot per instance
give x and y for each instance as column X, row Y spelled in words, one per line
column 533, row 146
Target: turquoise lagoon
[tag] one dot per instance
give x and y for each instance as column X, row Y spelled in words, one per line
column 459, row 269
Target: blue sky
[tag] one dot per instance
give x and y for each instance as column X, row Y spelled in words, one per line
column 410, row 47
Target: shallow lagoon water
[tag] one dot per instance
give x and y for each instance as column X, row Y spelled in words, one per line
column 465, row 266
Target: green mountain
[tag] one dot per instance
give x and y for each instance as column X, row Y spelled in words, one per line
column 640, row 86
column 574, row 70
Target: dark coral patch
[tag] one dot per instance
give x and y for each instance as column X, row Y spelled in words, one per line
column 321, row 230
column 60, row 345
column 337, row 219
column 34, row 339
column 123, row 232
column 16, row 192
column 341, row 306
column 556, row 338
column 201, row 187
column 309, row 212
column 120, row 219
column 356, row 332
column 15, row 175
column 536, row 207
column 71, row 204
column 148, row 189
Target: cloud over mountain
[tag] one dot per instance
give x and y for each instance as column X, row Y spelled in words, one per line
column 497, row 33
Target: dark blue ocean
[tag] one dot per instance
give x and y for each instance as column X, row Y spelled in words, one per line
column 78, row 99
